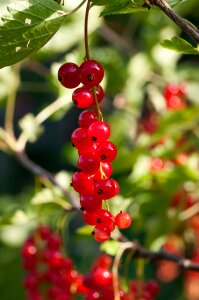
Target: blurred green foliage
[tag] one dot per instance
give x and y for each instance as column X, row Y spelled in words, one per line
column 137, row 68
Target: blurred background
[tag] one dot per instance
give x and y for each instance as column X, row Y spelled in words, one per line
column 158, row 141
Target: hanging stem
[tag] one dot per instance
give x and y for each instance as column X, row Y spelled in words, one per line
column 86, row 30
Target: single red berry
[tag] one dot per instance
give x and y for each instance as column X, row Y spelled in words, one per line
column 68, row 75
column 102, row 276
column 171, row 90
column 152, row 287
column 86, row 118
column 29, row 249
column 44, row 232
column 82, row 183
column 99, row 94
column 106, row 169
column 91, row 73
column 90, row 203
column 123, row 220
column 82, row 97
column 106, row 188
column 104, row 261
column 90, row 218
column 31, row 281
column 88, row 163
column 79, row 137
column 99, row 131
column 101, row 234
column 54, row 242
column 105, row 220
column 106, row 151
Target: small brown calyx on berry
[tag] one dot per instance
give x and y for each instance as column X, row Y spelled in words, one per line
column 100, row 192
column 103, row 157
column 75, row 102
column 59, row 78
column 94, row 139
column 98, row 220
column 91, row 77
column 82, row 208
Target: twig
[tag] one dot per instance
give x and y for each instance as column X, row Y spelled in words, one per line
column 86, row 30
column 10, row 106
column 39, row 171
column 182, row 23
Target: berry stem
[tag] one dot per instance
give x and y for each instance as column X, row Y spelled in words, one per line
column 86, row 30
column 99, row 113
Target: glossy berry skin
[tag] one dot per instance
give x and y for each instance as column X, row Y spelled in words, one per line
column 82, row 97
column 90, row 203
column 99, row 94
column 91, row 73
column 101, row 234
column 106, row 151
column 82, row 183
column 105, row 220
column 82, row 142
column 106, row 188
column 69, row 76
column 88, row 163
column 86, row 118
column 102, row 276
column 99, row 131
column 90, row 218
column 123, row 220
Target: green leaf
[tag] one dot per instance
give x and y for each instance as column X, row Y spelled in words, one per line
column 175, row 2
column 179, row 45
column 30, row 127
column 27, row 27
column 120, row 7
column 85, row 230
column 110, row 247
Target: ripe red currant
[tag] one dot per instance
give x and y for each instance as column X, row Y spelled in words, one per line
column 88, row 163
column 123, row 220
column 91, row 73
column 90, row 203
column 107, row 188
column 68, row 75
column 99, row 131
column 82, row 183
column 102, row 276
column 86, row 118
column 101, row 234
column 106, row 151
column 82, row 97
column 99, row 94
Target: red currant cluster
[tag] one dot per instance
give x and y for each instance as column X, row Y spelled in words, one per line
column 52, row 276
column 90, row 74
column 175, row 96
column 49, row 274
column 96, row 152
column 100, row 284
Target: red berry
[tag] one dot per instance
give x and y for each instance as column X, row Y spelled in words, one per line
column 30, row 281
column 68, row 75
column 123, row 220
column 101, row 234
column 44, row 232
column 99, row 94
column 106, row 151
column 104, row 261
column 152, row 287
column 82, row 183
column 102, row 276
column 99, row 131
column 91, row 73
column 82, row 97
column 90, row 218
column 107, row 188
column 54, row 242
column 90, row 203
column 88, row 163
column 86, row 118
column 105, row 220
column 92, row 295
column 79, row 137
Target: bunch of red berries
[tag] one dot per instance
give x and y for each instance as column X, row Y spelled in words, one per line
column 96, row 152
column 175, row 96
column 49, row 274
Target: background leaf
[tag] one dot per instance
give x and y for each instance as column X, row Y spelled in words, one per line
column 28, row 27
column 180, row 45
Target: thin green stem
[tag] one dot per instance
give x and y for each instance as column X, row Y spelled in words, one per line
column 10, row 107
column 86, row 30
column 76, row 8
column 99, row 113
